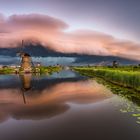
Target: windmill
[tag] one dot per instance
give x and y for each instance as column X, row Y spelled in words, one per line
column 26, row 60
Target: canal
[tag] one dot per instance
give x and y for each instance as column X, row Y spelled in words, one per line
column 64, row 106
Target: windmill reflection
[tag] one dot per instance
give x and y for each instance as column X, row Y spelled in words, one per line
column 26, row 85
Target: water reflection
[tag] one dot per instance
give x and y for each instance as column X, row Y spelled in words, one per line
column 65, row 106
column 129, row 101
column 26, row 84
column 43, row 97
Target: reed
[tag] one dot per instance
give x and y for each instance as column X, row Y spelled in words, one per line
column 125, row 78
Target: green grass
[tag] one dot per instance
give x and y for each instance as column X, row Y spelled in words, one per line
column 122, row 77
column 7, row 71
column 43, row 70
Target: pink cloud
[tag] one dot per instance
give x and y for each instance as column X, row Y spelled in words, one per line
column 51, row 32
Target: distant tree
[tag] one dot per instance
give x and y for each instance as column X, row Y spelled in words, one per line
column 5, row 67
column 115, row 64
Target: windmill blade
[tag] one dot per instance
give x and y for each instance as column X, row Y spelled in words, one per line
column 32, row 63
column 24, row 98
column 21, row 48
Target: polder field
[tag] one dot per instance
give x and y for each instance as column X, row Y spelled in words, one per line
column 124, row 76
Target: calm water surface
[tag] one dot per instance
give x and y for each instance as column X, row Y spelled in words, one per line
column 64, row 106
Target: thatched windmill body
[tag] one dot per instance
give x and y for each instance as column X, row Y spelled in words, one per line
column 26, row 61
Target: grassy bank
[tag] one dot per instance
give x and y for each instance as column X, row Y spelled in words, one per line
column 49, row 69
column 41, row 70
column 7, row 71
column 124, row 78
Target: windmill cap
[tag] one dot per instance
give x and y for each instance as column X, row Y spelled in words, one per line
column 26, row 54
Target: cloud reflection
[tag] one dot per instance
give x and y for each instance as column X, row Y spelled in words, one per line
column 49, row 102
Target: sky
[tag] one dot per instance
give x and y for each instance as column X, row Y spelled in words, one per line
column 100, row 27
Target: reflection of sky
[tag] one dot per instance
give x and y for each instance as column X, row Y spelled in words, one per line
column 64, row 74
column 51, row 100
column 64, row 109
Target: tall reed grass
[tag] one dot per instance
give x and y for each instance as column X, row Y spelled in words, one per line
column 129, row 79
